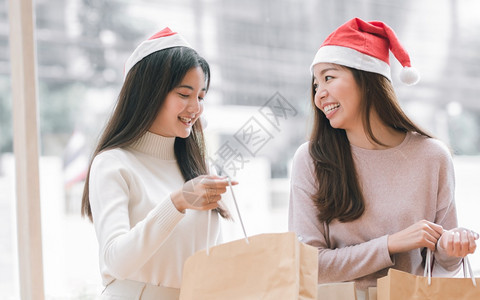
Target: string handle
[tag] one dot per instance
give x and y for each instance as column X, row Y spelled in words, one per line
column 208, row 230
column 428, row 268
column 238, row 213
column 466, row 265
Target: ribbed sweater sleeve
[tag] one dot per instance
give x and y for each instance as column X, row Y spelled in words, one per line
column 125, row 249
column 446, row 210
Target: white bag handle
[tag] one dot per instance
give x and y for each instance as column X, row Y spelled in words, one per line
column 466, row 263
column 428, row 268
column 239, row 217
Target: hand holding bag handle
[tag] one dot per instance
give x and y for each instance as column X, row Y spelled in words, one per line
column 267, row 266
column 429, row 266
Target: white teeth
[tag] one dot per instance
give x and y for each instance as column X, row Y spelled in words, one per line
column 330, row 107
column 186, row 120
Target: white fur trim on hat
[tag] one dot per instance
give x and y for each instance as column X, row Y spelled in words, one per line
column 351, row 58
column 150, row 46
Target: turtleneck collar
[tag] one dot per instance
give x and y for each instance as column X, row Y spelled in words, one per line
column 156, row 145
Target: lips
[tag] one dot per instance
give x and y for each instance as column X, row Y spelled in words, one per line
column 187, row 121
column 330, row 107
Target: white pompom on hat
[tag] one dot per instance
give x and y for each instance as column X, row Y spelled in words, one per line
column 365, row 46
column 166, row 38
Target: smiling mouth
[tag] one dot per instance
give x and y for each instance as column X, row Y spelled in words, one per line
column 187, row 121
column 330, row 108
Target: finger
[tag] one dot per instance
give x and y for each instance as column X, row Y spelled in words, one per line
column 464, row 243
column 211, row 196
column 208, row 180
column 434, row 237
column 232, row 182
column 213, row 176
column 431, row 245
column 215, row 182
column 206, row 197
column 472, row 246
column 471, row 243
column 217, row 187
column 457, row 247
column 432, row 228
column 432, row 232
column 220, row 191
column 437, row 228
column 450, row 245
column 429, row 240
column 215, row 198
column 213, row 192
column 475, row 235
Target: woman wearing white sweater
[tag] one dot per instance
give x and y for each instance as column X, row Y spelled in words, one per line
column 147, row 190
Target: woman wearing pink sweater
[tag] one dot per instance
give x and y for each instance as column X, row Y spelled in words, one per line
column 371, row 189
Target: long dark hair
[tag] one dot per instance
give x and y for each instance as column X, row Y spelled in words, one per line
column 141, row 98
column 339, row 195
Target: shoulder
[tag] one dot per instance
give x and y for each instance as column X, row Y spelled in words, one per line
column 431, row 147
column 302, row 152
column 302, row 164
column 114, row 158
column 111, row 154
column 302, row 155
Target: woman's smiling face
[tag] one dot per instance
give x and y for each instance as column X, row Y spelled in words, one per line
column 182, row 107
column 337, row 95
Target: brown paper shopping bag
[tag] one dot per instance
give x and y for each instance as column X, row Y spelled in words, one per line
column 401, row 285
column 308, row 272
column 266, row 266
column 398, row 285
column 337, row 291
column 371, row 293
column 270, row 266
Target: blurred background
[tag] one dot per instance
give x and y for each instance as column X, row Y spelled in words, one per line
column 258, row 108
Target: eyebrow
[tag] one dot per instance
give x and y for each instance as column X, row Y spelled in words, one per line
column 188, row 87
column 326, row 70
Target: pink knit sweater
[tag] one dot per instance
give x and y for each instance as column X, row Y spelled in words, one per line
column 401, row 186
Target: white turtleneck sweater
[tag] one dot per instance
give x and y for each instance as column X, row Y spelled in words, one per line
column 141, row 235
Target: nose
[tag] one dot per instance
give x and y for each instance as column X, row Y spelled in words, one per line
column 194, row 106
column 320, row 94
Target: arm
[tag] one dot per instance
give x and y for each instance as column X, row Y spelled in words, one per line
column 125, row 249
column 455, row 242
column 446, row 215
column 340, row 264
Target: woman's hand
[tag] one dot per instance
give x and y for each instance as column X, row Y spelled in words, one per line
column 458, row 242
column 200, row 193
column 419, row 235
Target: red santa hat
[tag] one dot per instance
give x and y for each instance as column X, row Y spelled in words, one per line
column 163, row 39
column 365, row 46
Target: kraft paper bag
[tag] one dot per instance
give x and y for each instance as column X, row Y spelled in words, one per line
column 308, row 272
column 270, row 266
column 337, row 291
column 399, row 285
column 371, row 293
